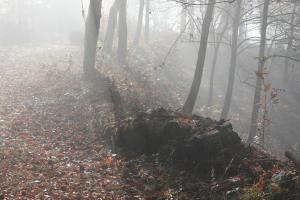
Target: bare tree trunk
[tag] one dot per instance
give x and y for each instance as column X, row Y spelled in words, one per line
column 122, row 35
column 147, row 20
column 192, row 97
column 215, row 59
column 183, row 16
column 92, row 26
column 191, row 13
column 233, row 60
column 192, row 21
column 259, row 81
column 110, row 31
column 140, row 23
column 290, row 42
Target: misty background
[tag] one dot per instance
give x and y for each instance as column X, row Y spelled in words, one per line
column 173, row 55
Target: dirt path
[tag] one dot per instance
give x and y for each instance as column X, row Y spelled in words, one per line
column 51, row 136
column 48, row 145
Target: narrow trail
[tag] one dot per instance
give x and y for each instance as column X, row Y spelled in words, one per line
column 52, row 135
column 48, row 145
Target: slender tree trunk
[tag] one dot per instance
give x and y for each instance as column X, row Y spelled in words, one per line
column 270, row 49
column 92, row 26
column 215, row 59
column 212, row 75
column 183, row 16
column 139, row 24
column 192, row 97
column 233, row 60
column 290, row 42
column 110, row 31
column 147, row 19
column 122, row 34
column 243, row 30
column 192, row 21
column 259, row 78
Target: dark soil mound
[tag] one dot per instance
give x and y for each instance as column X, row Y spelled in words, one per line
column 180, row 138
column 202, row 146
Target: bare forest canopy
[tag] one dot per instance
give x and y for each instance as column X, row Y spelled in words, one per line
column 129, row 86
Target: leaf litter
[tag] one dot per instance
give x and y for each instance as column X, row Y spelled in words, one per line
column 50, row 148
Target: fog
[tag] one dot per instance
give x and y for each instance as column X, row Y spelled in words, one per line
column 50, row 21
column 77, row 69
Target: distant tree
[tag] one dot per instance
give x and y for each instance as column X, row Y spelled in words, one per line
column 233, row 59
column 219, row 35
column 290, row 38
column 122, row 34
column 139, row 23
column 192, row 96
column 259, row 73
column 147, row 20
column 92, row 26
column 183, row 16
column 110, row 30
column 192, row 20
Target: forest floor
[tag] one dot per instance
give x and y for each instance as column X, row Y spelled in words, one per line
column 51, row 146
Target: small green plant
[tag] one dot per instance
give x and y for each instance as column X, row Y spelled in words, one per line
column 253, row 193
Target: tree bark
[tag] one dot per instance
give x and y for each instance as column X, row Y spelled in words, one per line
column 92, row 26
column 122, row 34
column 139, row 24
column 110, row 31
column 233, row 60
column 147, row 16
column 259, row 81
column 192, row 97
